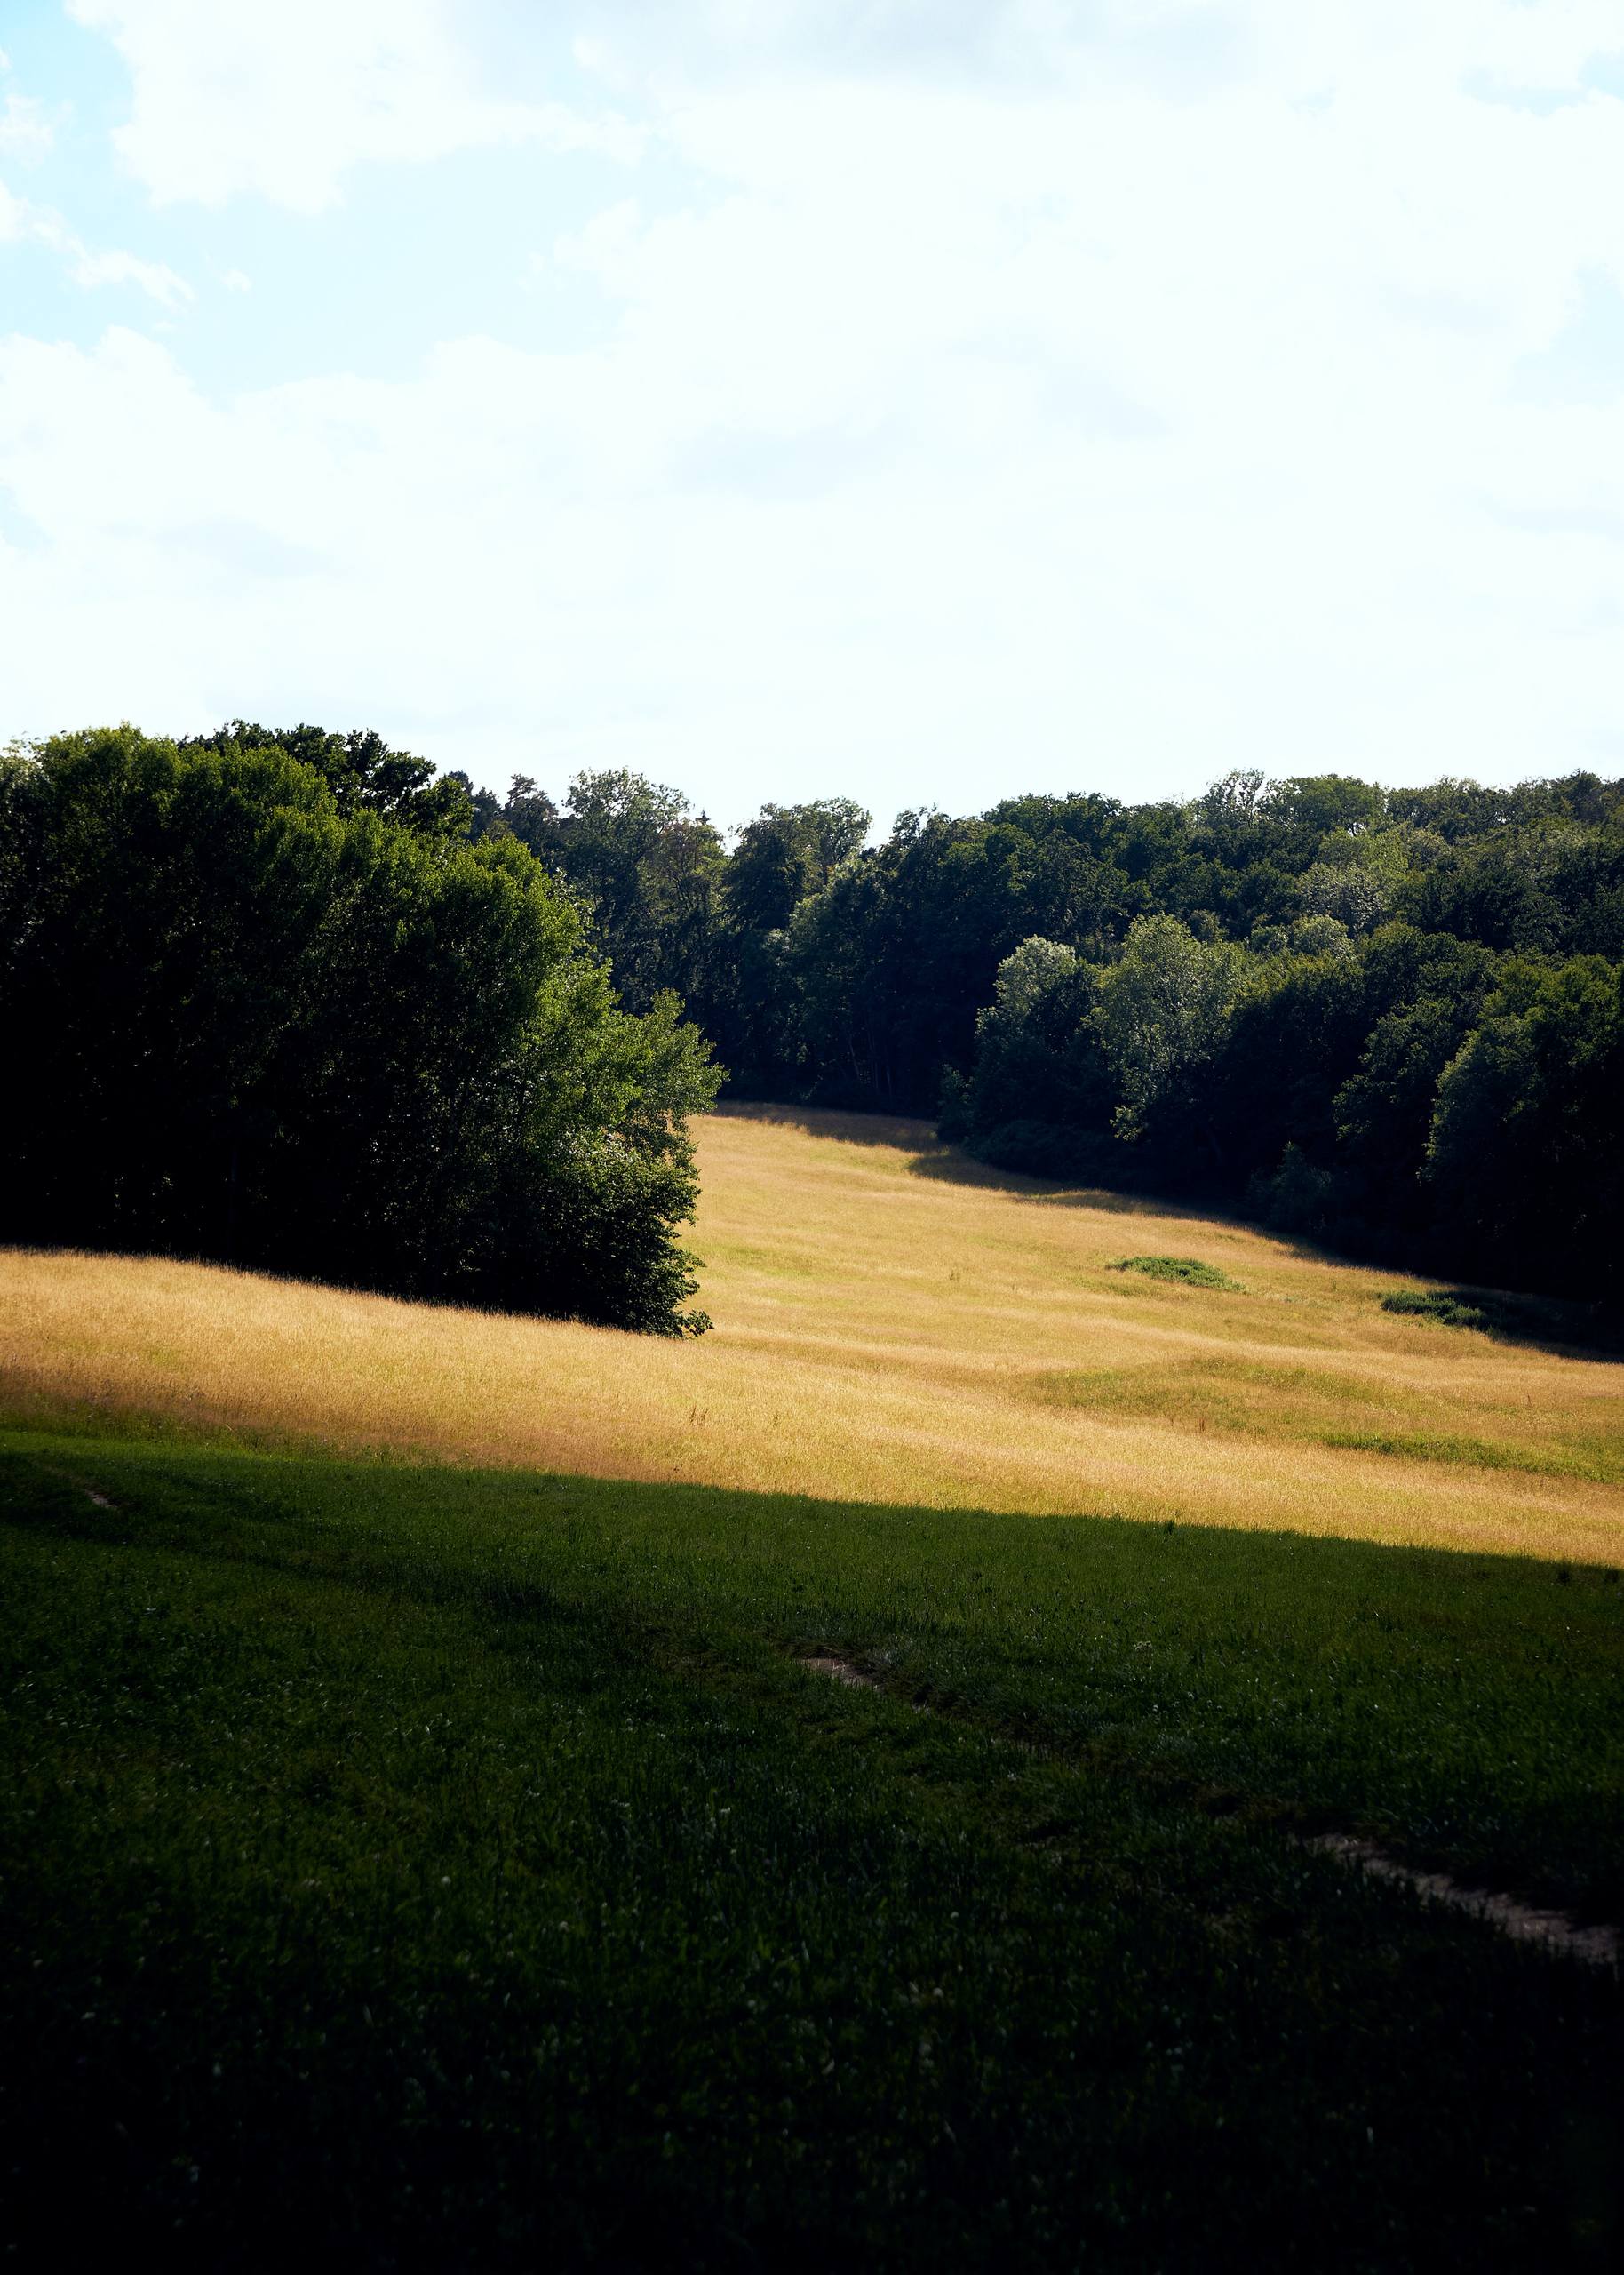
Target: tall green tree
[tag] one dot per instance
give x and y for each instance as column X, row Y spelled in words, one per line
column 647, row 872
column 1164, row 1008
column 341, row 1042
column 1526, row 1149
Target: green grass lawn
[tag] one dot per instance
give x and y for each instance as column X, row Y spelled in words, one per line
column 425, row 1868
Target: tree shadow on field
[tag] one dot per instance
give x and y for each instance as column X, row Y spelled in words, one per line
column 1571, row 1329
column 946, row 1165
column 943, row 1164
column 903, row 1132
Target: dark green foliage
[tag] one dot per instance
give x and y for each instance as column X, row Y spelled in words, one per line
column 1188, row 1269
column 274, row 1007
column 1276, row 997
column 1301, row 1079
column 1387, row 1020
column 362, row 774
column 1526, row 1155
column 1405, row 1094
column 1555, row 888
column 786, row 853
column 416, row 1869
column 645, row 868
column 1040, row 1063
column 785, row 857
column 1449, row 1309
column 1591, row 1329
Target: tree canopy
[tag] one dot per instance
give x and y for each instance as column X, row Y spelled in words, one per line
column 269, row 1002
column 1379, row 1018
column 289, row 996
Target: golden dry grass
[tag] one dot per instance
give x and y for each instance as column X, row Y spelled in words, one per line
column 892, row 1324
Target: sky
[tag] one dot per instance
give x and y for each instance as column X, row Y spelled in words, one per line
column 915, row 400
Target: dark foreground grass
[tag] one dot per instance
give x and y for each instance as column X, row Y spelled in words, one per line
column 419, row 1869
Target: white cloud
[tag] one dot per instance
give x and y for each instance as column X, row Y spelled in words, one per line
column 1181, row 48
column 945, row 435
column 233, row 96
column 26, row 133
column 23, row 222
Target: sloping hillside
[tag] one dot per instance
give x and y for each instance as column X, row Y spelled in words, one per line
column 895, row 1324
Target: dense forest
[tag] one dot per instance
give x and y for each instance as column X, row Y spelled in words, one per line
column 1390, row 1020
column 267, row 1001
column 290, row 998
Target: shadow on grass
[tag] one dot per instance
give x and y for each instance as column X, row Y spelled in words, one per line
column 1546, row 1322
column 947, row 1165
column 905, row 1133
column 542, row 1813
column 944, row 1164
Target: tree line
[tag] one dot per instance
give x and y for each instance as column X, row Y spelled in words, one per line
column 1391, row 1020
column 291, row 999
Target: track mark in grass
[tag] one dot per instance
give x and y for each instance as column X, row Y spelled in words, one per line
column 839, row 1670
column 1189, row 1270
column 79, row 1486
column 1524, row 1923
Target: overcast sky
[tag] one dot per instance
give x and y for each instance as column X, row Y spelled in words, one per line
column 916, row 399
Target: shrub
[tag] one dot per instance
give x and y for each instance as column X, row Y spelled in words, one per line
column 1436, row 1303
column 1187, row 1269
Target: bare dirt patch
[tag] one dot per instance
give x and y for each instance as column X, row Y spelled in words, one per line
column 839, row 1670
column 1598, row 1946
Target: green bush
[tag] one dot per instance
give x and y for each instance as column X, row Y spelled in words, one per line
column 1187, row 1269
column 1448, row 1310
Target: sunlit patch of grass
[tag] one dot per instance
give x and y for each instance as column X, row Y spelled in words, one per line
column 1229, row 1394
column 1311, row 1407
column 892, row 1325
column 1606, row 1465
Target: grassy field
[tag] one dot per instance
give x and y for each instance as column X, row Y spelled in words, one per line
column 453, row 1861
column 459, row 1869
column 894, row 1324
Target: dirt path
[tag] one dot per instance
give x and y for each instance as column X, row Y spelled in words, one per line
column 1524, row 1923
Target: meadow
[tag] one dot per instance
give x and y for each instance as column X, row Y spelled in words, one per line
column 894, row 1324
column 431, row 1832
